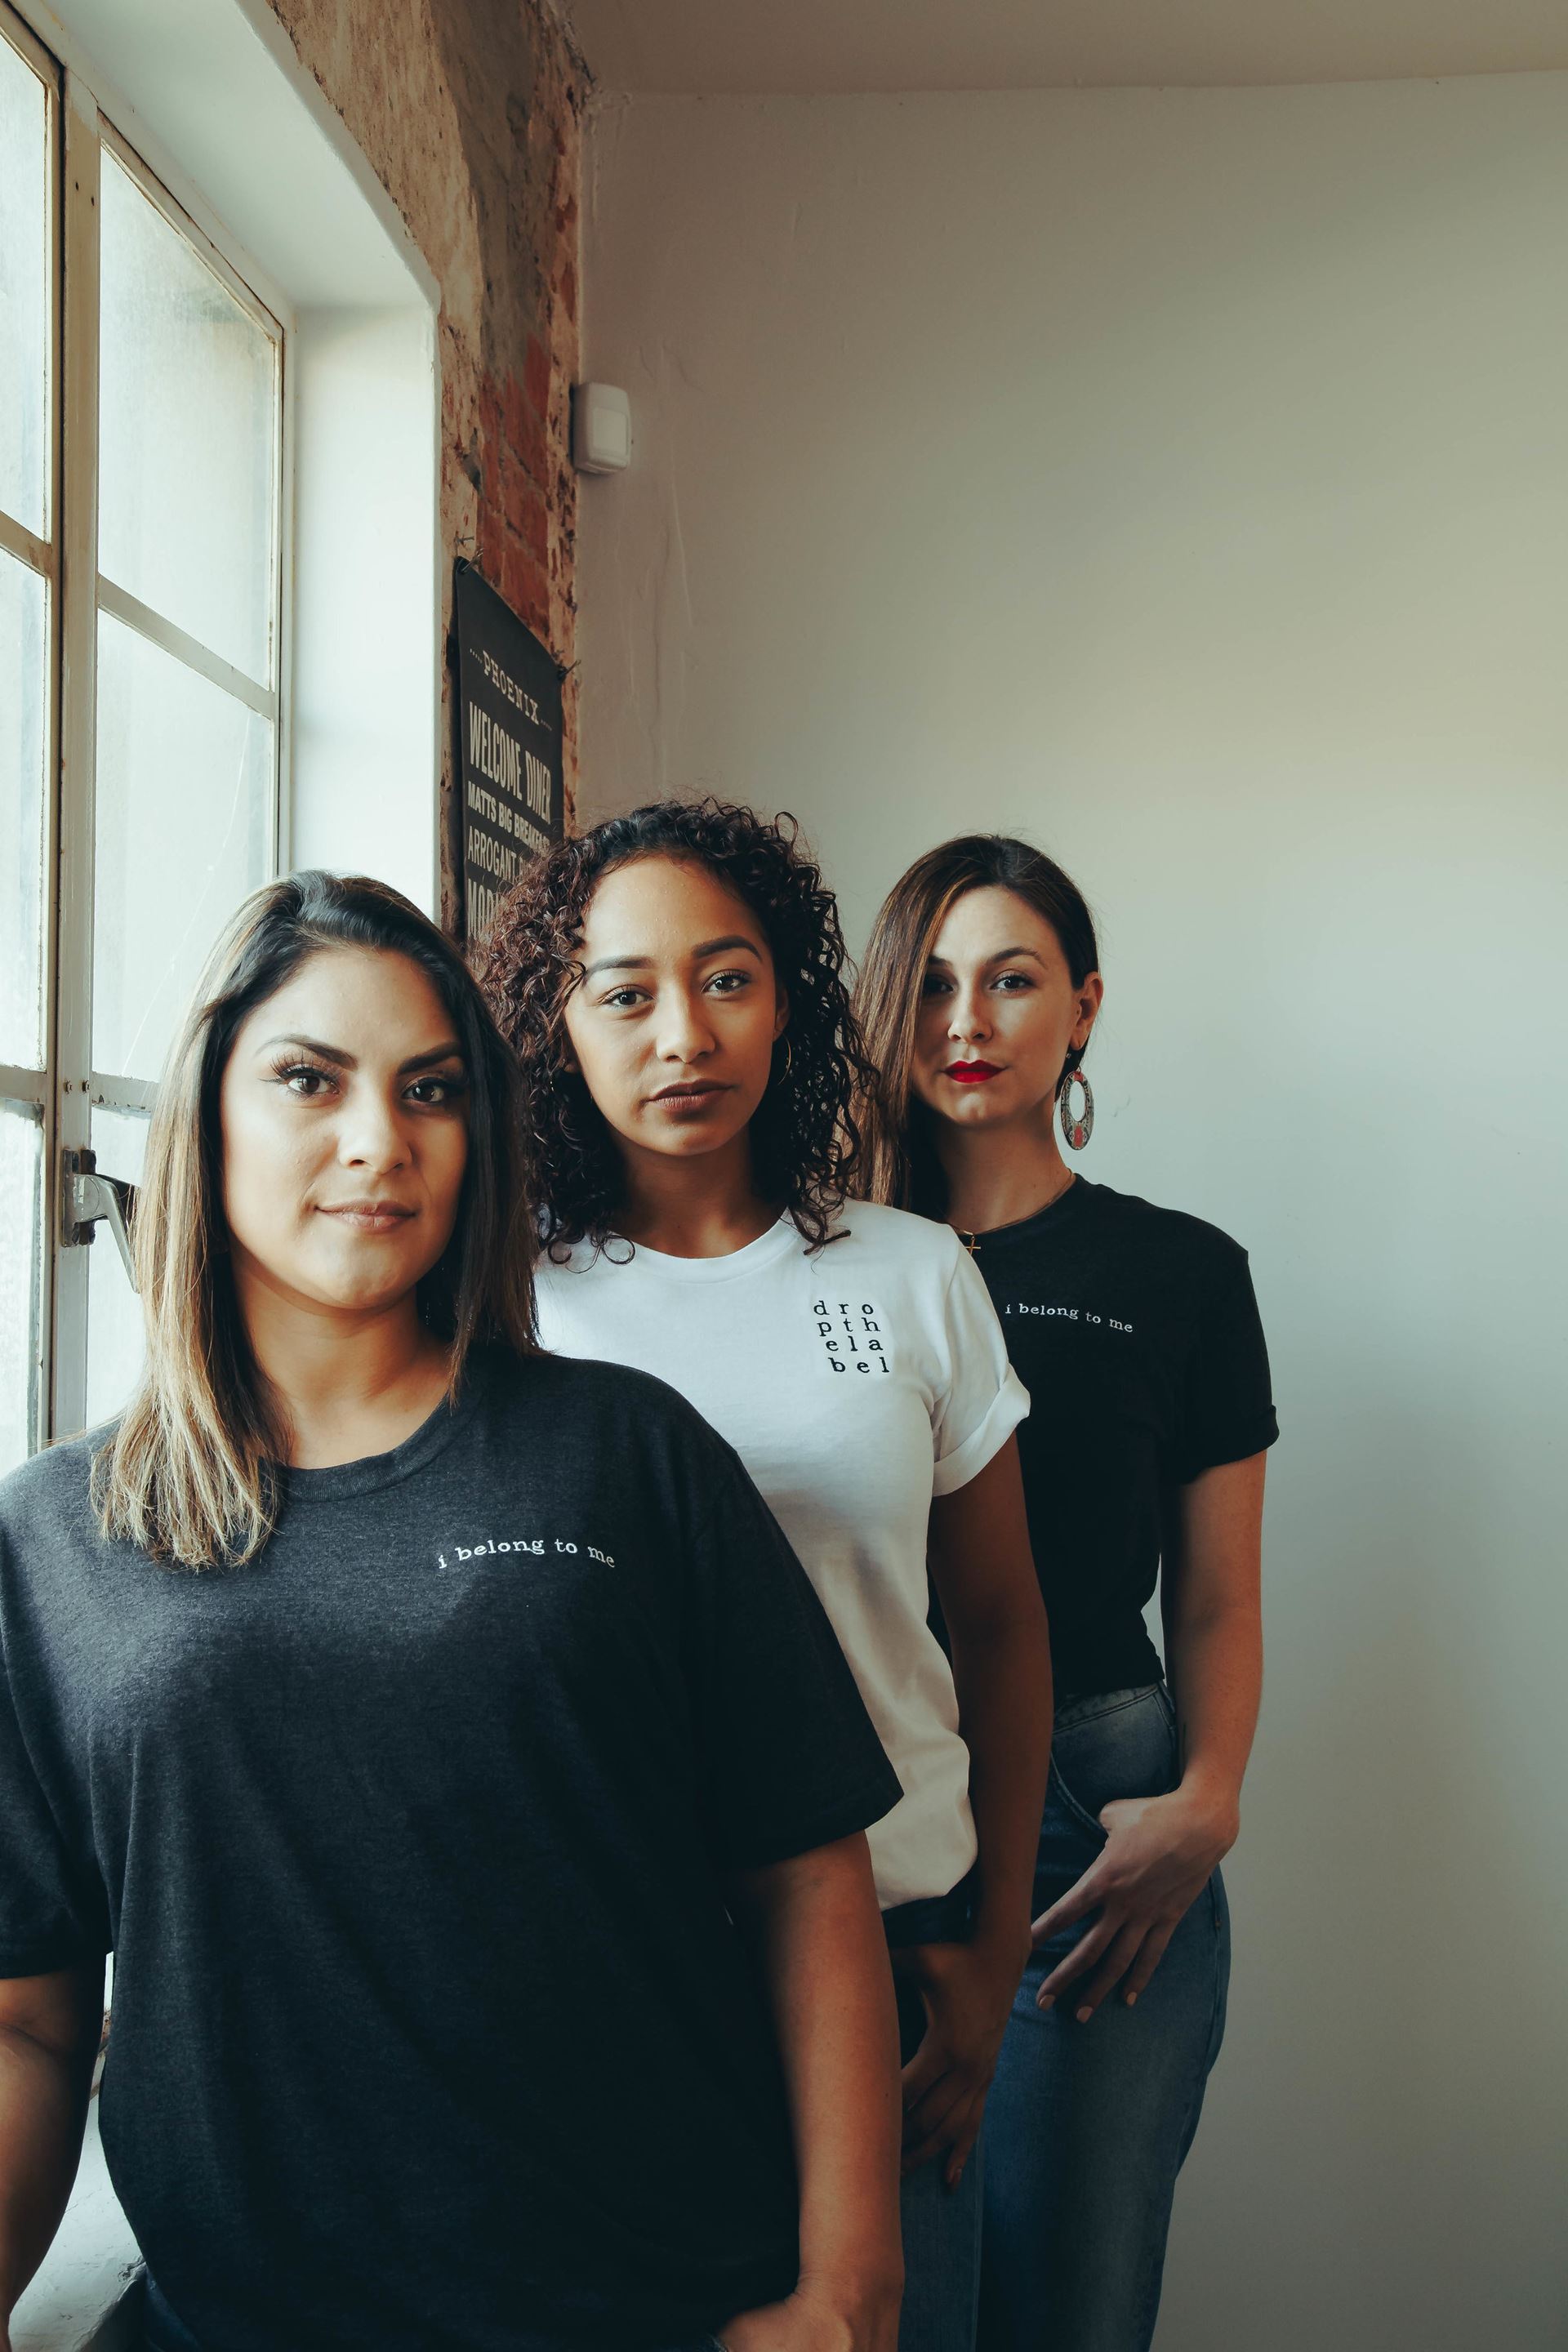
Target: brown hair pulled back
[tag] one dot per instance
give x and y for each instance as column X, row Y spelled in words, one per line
column 897, row 1162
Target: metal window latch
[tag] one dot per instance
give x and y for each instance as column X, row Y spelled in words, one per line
column 86, row 1197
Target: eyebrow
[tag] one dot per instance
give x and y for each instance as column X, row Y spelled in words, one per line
column 341, row 1059
column 725, row 946
column 1003, row 955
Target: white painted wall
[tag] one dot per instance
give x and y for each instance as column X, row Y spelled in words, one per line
column 1183, row 479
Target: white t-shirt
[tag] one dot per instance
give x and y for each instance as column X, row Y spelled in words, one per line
column 854, row 1385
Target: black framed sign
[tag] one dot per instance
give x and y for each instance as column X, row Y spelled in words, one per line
column 510, row 741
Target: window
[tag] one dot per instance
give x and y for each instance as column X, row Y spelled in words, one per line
column 141, row 561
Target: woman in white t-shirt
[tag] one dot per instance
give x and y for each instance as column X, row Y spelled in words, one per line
column 672, row 984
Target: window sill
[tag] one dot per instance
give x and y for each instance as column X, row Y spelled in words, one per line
column 81, row 2300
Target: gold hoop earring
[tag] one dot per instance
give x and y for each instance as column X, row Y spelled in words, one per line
column 789, row 1058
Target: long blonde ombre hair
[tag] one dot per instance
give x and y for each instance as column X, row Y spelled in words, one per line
column 188, row 1473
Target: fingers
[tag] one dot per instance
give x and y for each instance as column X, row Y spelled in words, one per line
column 1148, row 1958
column 924, row 2071
column 931, row 2089
column 1083, row 1955
column 961, row 2149
column 929, row 2120
column 937, row 2125
column 1123, row 1951
column 1077, row 1904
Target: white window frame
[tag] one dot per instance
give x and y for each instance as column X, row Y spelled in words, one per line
column 33, row 1089
column 64, row 1094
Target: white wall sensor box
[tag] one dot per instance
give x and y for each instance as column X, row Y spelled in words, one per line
column 600, row 428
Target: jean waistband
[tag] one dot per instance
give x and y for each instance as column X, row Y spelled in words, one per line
column 1079, row 1706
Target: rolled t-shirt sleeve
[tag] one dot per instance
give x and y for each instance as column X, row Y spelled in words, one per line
column 980, row 1400
column 787, row 1754
column 1228, row 1410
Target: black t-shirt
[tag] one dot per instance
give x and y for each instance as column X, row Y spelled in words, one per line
column 1136, row 1333
column 430, row 2026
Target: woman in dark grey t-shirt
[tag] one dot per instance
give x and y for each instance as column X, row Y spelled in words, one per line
column 1135, row 1332
column 444, row 1740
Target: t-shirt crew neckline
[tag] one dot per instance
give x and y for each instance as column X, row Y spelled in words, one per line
column 779, row 1238
column 372, row 1472
column 1052, row 1213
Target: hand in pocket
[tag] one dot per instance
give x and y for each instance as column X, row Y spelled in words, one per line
column 1158, row 1857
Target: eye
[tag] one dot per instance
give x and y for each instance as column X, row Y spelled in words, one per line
column 934, row 985
column 728, row 983
column 440, row 1089
column 305, row 1080
column 620, row 1000
column 1014, row 983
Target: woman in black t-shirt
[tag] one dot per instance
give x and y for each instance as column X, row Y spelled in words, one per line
column 1135, row 1332
column 443, row 1738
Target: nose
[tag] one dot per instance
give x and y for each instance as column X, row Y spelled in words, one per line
column 684, row 1034
column 373, row 1134
column 966, row 1021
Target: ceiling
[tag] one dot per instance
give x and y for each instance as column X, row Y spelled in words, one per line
column 816, row 46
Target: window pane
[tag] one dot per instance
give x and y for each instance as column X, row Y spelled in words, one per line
column 115, row 1333
column 183, row 832
column 20, row 1150
column 24, row 290
column 187, row 427
column 22, row 698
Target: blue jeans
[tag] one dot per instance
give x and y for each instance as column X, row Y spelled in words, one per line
column 1087, row 2125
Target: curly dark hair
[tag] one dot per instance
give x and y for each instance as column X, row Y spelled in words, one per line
column 805, row 1140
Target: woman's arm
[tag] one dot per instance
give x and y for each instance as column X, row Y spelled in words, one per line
column 984, row 1576
column 49, row 2029
column 1160, row 1851
column 1211, row 1601
column 816, row 1926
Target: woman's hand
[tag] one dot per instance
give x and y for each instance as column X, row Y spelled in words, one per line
column 1158, row 1857
column 822, row 2316
column 968, row 1990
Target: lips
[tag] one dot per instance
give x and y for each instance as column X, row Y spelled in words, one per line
column 971, row 1074
column 368, row 1216
column 695, row 1097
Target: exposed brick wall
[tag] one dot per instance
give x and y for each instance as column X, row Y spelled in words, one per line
column 470, row 113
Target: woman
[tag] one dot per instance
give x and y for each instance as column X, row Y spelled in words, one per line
column 410, row 1711
column 672, row 983
column 1135, row 1330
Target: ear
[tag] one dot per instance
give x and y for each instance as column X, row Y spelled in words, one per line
column 1090, row 997
column 780, row 1013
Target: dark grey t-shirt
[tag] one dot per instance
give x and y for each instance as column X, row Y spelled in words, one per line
column 430, row 2025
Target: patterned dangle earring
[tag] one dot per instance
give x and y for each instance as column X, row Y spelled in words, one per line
column 1077, row 1130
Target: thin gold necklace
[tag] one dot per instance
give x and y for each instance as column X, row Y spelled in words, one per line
column 972, row 1241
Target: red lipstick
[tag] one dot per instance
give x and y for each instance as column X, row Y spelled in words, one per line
column 971, row 1074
